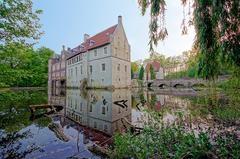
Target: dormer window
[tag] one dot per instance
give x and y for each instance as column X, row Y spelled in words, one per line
column 91, row 42
column 81, row 47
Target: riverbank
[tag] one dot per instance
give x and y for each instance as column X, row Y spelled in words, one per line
column 22, row 88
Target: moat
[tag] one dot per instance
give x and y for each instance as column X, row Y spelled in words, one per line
column 94, row 116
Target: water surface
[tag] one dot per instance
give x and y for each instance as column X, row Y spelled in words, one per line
column 94, row 116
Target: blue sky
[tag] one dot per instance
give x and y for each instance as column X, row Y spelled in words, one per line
column 65, row 21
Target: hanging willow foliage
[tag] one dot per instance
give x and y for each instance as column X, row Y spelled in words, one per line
column 157, row 26
column 217, row 25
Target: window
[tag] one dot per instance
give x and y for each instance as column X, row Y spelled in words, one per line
column 80, row 106
column 91, row 69
column 81, row 69
column 118, row 41
column 118, row 68
column 95, row 52
column 95, row 125
column 76, row 70
column 103, row 110
column 102, row 80
column 75, row 104
column 80, row 119
column 90, row 109
column 105, row 50
column 115, row 51
column 91, row 43
column 103, row 67
column 125, row 68
column 105, row 128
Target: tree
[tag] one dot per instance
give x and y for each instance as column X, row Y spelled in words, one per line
column 141, row 73
column 132, row 73
column 18, row 21
column 217, row 26
column 23, row 66
column 134, row 66
column 152, row 72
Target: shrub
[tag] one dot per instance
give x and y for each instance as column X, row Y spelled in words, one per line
column 174, row 141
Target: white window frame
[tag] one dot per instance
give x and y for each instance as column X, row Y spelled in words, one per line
column 103, row 64
column 95, row 53
column 90, row 69
column 105, row 50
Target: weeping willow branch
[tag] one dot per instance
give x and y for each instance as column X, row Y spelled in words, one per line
column 217, row 25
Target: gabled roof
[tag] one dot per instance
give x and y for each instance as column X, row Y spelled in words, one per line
column 156, row 66
column 97, row 40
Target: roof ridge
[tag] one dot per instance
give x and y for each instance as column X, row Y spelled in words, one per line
column 102, row 31
column 99, row 40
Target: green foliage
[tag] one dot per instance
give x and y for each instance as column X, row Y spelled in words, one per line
column 23, row 66
column 156, row 26
column 14, row 108
column 141, row 73
column 152, row 72
column 189, row 73
column 164, row 141
column 207, row 40
column 15, row 119
column 232, row 83
column 3, row 85
column 217, row 31
column 132, row 74
column 19, row 23
column 184, row 138
column 163, row 60
column 153, row 100
column 224, row 110
column 135, row 66
column 173, row 142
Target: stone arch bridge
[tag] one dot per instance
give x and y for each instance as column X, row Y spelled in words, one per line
column 175, row 83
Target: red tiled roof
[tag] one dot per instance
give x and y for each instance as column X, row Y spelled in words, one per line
column 99, row 39
column 156, row 65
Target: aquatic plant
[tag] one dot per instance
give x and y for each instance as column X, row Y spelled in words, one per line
column 159, row 140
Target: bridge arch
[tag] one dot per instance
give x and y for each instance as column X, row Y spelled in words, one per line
column 149, row 84
column 176, row 85
column 198, row 85
column 162, row 85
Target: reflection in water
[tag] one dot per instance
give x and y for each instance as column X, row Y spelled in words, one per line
column 87, row 117
column 101, row 110
column 97, row 110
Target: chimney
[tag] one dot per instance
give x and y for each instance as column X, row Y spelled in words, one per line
column 63, row 47
column 85, row 37
column 119, row 19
